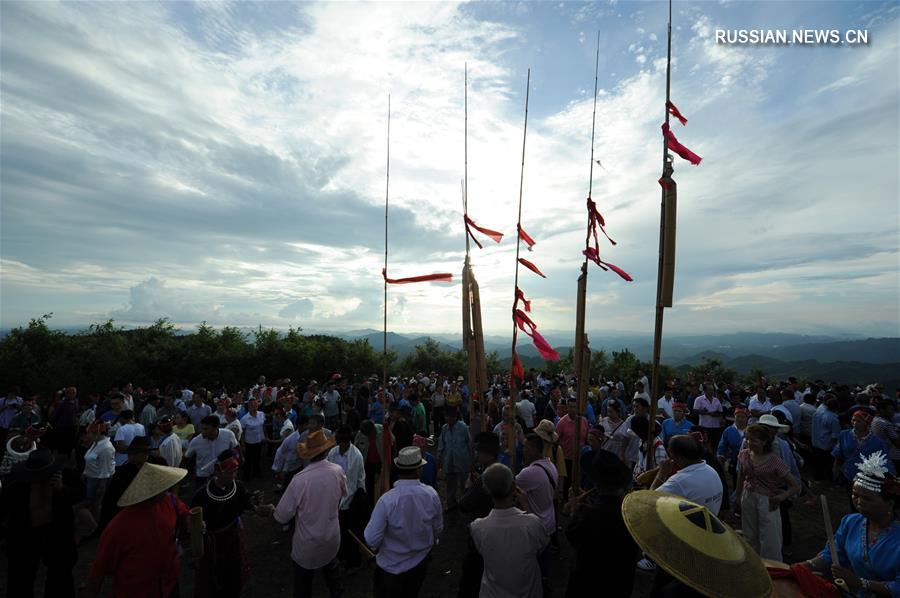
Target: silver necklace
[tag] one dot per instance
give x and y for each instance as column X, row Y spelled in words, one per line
column 228, row 496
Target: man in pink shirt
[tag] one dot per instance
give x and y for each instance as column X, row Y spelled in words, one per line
column 312, row 500
column 566, row 431
column 710, row 409
column 537, row 486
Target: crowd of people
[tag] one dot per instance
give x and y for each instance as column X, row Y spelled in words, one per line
column 365, row 471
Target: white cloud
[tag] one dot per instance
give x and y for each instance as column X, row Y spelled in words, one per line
column 224, row 162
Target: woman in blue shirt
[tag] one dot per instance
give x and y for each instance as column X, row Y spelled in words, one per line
column 868, row 542
column 854, row 445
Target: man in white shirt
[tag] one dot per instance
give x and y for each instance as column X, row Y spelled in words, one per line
column 640, row 392
column 350, row 459
column 665, row 402
column 694, row 480
column 405, row 526
column 207, row 447
column 170, row 447
column 332, row 409
column 125, row 434
column 759, row 404
column 509, row 540
column 526, row 409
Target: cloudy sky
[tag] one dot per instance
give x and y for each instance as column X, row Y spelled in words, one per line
column 226, row 163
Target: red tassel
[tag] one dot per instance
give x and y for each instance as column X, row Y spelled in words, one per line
column 525, row 237
column 496, row 236
column 531, row 267
column 446, row 277
column 591, row 254
column 527, row 326
column 673, row 110
column 679, row 149
column 520, row 296
column 625, row 275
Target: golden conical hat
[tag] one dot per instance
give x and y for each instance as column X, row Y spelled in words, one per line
column 694, row 546
column 150, row 481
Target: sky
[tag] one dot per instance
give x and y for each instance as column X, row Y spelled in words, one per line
column 226, row 163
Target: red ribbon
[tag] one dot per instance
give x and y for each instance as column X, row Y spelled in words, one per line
column 531, row 267
column 527, row 326
column 520, row 296
column 663, row 182
column 673, row 110
column 426, row 278
column 496, row 236
column 679, row 149
column 592, row 254
column 525, row 236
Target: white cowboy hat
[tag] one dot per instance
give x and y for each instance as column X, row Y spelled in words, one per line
column 770, row 420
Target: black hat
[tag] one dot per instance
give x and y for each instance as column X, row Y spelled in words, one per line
column 487, row 442
column 139, row 444
column 42, row 463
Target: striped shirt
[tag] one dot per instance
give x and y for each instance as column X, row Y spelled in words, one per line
column 763, row 477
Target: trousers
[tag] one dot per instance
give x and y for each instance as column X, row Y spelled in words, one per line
column 401, row 585
column 303, row 579
column 761, row 526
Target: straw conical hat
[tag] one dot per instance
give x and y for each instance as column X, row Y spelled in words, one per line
column 695, row 547
column 150, row 481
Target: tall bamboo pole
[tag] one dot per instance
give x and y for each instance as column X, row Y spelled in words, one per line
column 384, row 484
column 387, row 186
column 513, row 393
column 582, row 365
column 660, row 306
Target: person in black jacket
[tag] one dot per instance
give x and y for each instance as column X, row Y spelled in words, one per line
column 477, row 503
column 604, row 548
column 36, row 505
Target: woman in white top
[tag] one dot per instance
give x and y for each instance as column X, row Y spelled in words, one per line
column 254, row 436
column 99, row 466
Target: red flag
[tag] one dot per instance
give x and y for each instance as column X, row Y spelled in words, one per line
column 496, row 236
column 531, row 267
column 520, row 296
column 673, row 110
column 679, row 149
column 525, row 237
column 592, row 255
column 425, row 278
column 517, row 370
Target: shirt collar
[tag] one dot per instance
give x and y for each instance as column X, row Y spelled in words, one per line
column 507, row 512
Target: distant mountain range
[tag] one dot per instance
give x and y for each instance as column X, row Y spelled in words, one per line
column 846, row 359
column 777, row 354
column 678, row 349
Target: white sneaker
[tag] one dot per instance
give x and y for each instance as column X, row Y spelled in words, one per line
column 646, row 564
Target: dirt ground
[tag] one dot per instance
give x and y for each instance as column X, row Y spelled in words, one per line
column 272, row 576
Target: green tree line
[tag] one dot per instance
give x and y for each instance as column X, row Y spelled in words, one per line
column 41, row 360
